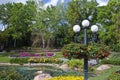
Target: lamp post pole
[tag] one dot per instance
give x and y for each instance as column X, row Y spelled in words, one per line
column 85, row 24
column 94, row 28
column 85, row 58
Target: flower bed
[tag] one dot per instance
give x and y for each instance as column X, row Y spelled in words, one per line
column 44, row 60
column 67, row 78
column 50, row 54
column 35, row 60
column 24, row 54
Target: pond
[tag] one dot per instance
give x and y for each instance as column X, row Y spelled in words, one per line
column 28, row 72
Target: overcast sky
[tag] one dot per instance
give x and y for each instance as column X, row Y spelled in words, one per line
column 49, row 2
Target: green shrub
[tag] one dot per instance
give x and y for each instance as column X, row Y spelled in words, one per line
column 98, row 50
column 115, row 55
column 77, row 51
column 115, row 47
column 75, row 63
column 114, row 76
column 114, row 61
column 19, row 60
column 10, row 74
column 74, row 50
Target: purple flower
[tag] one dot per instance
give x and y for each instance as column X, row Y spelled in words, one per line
column 50, row 54
column 25, row 54
column 35, row 55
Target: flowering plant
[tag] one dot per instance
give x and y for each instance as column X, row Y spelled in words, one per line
column 67, row 78
column 98, row 51
column 44, row 60
column 74, row 50
column 78, row 51
column 50, row 54
column 26, row 54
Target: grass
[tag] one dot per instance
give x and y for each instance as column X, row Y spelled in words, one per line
column 4, row 59
column 58, row 55
column 104, row 74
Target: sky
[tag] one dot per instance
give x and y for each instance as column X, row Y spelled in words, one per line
column 53, row 2
column 49, row 2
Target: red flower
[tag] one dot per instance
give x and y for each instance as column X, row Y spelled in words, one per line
column 105, row 54
column 65, row 55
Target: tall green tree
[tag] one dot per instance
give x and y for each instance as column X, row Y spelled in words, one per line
column 108, row 18
column 18, row 17
column 79, row 10
column 46, row 23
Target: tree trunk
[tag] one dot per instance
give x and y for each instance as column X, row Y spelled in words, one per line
column 15, row 43
column 48, row 43
column 43, row 42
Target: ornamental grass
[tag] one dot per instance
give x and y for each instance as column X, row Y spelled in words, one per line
column 67, row 78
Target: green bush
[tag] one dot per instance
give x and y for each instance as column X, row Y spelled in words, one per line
column 78, row 51
column 75, row 63
column 98, row 50
column 74, row 50
column 19, row 60
column 114, row 76
column 10, row 74
column 115, row 47
column 115, row 55
column 114, row 61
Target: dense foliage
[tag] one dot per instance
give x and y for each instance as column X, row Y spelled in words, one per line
column 52, row 26
column 113, row 59
column 78, row 51
column 74, row 50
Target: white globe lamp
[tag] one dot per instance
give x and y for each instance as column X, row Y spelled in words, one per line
column 94, row 28
column 76, row 28
column 85, row 23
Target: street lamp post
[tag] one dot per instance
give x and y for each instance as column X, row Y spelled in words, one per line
column 94, row 28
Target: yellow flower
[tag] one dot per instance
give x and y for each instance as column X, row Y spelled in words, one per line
column 67, row 78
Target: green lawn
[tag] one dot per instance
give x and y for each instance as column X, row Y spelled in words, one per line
column 4, row 59
column 104, row 74
column 58, row 55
